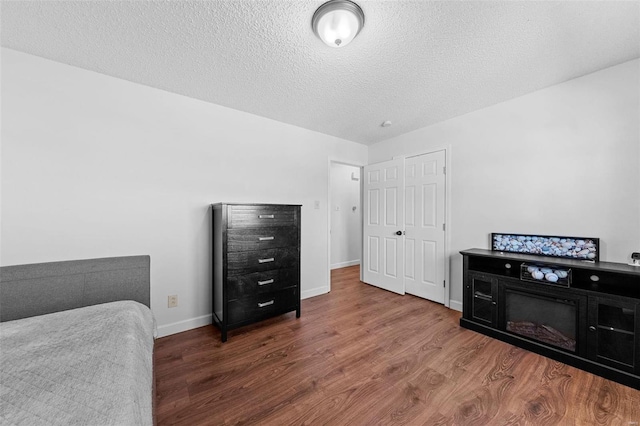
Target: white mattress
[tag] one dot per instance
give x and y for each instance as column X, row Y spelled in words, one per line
column 87, row 366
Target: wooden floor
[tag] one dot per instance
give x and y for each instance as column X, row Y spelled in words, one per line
column 363, row 356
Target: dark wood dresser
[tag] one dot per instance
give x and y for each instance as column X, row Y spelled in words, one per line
column 256, row 263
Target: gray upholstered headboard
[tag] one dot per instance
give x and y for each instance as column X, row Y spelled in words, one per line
column 43, row 288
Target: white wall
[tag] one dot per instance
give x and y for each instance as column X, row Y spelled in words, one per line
column 564, row 160
column 94, row 166
column 346, row 223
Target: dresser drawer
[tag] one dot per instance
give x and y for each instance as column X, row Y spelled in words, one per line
column 261, row 216
column 246, row 262
column 258, row 306
column 261, row 282
column 243, row 239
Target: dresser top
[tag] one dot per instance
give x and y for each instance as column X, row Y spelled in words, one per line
column 255, row 204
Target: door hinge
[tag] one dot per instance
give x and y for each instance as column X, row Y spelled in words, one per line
column 444, row 226
column 444, row 170
column 444, row 283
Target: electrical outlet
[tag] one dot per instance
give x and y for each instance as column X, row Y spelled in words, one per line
column 316, row 204
column 172, row 301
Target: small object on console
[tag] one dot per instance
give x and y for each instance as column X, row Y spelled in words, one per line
column 635, row 259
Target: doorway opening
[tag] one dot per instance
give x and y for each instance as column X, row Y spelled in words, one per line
column 344, row 215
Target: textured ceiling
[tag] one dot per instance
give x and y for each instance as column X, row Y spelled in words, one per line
column 415, row 63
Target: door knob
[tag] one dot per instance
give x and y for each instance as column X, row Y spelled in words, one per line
column 398, row 232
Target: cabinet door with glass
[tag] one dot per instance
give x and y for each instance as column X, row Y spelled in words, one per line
column 612, row 338
column 481, row 293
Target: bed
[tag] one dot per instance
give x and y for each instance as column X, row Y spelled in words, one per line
column 76, row 343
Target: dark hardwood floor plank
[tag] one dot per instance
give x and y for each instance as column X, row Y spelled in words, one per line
column 361, row 355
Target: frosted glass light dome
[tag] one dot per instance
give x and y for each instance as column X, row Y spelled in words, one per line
column 337, row 22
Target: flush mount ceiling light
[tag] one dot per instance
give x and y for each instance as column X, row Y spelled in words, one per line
column 337, row 22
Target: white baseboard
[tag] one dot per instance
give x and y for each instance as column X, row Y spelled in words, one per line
column 180, row 326
column 314, row 292
column 189, row 324
column 456, row 305
column 345, row 264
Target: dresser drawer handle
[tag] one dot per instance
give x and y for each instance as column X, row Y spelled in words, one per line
column 271, row 259
column 262, row 305
column 266, row 216
column 266, row 238
column 265, row 282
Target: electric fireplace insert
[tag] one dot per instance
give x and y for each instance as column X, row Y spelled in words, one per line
column 543, row 318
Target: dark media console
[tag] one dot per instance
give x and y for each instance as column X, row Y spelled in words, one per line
column 589, row 317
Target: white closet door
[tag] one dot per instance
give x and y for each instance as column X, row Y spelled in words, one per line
column 424, row 262
column 383, row 225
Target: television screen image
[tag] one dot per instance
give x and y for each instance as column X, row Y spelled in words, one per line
column 580, row 248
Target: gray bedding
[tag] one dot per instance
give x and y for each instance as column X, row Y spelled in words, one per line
column 85, row 366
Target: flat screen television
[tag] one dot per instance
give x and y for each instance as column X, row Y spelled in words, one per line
column 579, row 248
